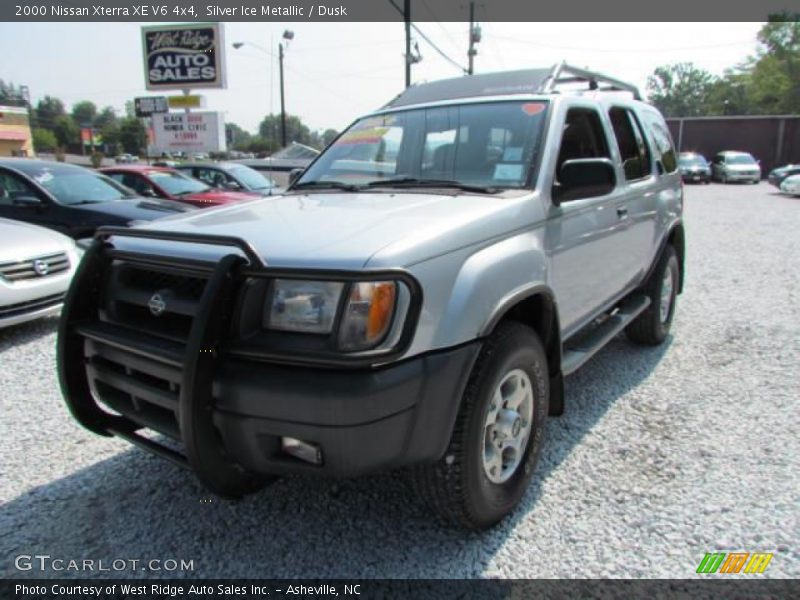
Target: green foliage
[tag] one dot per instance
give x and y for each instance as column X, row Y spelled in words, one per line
column 97, row 159
column 296, row 131
column 47, row 110
column 767, row 83
column 84, row 113
column 11, row 95
column 132, row 135
column 65, row 130
column 105, row 117
column 44, row 140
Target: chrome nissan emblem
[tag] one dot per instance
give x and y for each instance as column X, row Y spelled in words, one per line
column 156, row 304
column 41, row 267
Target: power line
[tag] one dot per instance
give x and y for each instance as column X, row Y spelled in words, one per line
column 446, row 33
column 427, row 39
column 611, row 50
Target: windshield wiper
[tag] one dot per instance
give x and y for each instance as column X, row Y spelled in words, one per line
column 337, row 185
column 440, row 183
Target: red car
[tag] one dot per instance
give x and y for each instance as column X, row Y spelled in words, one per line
column 163, row 182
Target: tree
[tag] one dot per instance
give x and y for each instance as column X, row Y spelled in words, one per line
column 240, row 137
column 44, row 140
column 680, row 90
column 84, row 113
column 296, row 131
column 328, row 136
column 776, row 72
column 47, row 110
column 11, row 95
column 65, row 130
column 105, row 117
column 132, row 135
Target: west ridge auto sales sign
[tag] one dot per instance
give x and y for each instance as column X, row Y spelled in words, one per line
column 178, row 57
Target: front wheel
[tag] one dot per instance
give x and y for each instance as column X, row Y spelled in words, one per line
column 652, row 326
column 498, row 434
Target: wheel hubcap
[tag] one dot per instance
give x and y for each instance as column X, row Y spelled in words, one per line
column 666, row 295
column 507, row 426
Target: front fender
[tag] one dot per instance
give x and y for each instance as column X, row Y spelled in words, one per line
column 464, row 305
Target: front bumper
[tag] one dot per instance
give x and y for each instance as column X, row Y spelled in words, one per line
column 695, row 177
column 733, row 176
column 229, row 412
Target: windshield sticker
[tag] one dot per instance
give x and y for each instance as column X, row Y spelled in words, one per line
column 503, row 171
column 533, row 108
column 512, row 153
column 43, row 177
column 364, row 136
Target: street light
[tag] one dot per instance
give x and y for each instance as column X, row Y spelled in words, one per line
column 282, row 45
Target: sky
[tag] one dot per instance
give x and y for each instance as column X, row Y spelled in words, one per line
column 335, row 73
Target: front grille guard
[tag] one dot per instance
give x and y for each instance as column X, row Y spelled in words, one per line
column 203, row 449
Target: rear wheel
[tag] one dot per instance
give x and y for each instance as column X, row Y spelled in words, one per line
column 652, row 326
column 497, row 436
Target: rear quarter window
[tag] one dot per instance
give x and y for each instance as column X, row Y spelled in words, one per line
column 662, row 140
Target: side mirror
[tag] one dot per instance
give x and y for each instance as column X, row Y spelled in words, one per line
column 231, row 185
column 584, row 178
column 28, row 201
column 294, row 175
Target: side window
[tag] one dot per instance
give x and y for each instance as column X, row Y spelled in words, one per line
column 633, row 148
column 118, row 177
column 136, row 183
column 663, row 142
column 583, row 137
column 12, row 187
column 211, row 177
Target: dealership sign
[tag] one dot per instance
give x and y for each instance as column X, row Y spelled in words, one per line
column 179, row 57
column 189, row 132
column 149, row 105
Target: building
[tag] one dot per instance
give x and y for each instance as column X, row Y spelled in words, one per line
column 15, row 132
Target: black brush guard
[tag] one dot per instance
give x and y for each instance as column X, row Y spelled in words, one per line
column 201, row 442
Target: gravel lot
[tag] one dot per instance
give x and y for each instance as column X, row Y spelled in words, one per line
column 663, row 454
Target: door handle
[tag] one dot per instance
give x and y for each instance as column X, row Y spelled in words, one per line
column 622, row 212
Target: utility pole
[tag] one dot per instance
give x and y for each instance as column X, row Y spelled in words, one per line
column 407, row 19
column 472, row 51
column 283, row 104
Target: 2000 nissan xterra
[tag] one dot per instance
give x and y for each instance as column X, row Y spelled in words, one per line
column 414, row 300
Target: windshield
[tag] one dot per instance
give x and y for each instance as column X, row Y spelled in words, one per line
column 252, row 179
column 81, row 187
column 296, row 151
column 740, row 159
column 488, row 144
column 694, row 160
column 177, row 184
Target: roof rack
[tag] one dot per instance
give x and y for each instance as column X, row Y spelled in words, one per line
column 527, row 81
column 563, row 73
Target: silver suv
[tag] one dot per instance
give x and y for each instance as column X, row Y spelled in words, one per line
column 415, row 299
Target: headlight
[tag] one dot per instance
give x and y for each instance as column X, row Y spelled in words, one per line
column 302, row 306
column 367, row 314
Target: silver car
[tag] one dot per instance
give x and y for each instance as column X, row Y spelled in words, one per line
column 36, row 267
column 415, row 299
column 730, row 166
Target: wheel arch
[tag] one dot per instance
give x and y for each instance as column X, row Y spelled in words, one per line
column 536, row 307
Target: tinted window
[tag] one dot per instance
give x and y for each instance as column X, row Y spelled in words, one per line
column 633, row 149
column 12, row 187
column 212, row 177
column 79, row 186
column 664, row 149
column 252, row 180
column 583, row 137
column 740, row 159
column 177, row 184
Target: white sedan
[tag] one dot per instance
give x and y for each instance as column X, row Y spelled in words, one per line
column 36, row 267
column 791, row 185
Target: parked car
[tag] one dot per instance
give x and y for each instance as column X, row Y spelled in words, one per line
column 283, row 162
column 791, row 185
column 170, row 184
column 776, row 176
column 126, row 158
column 72, row 200
column 732, row 166
column 422, row 311
column 36, row 267
column 200, row 156
column 694, row 167
column 230, row 176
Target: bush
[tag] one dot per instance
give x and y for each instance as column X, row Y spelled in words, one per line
column 44, row 140
column 97, row 159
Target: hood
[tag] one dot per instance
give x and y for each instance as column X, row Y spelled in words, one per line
column 219, row 197
column 350, row 230
column 136, row 209
column 23, row 240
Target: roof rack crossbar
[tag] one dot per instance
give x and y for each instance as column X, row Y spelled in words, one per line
column 564, row 73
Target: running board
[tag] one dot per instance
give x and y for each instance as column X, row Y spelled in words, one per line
column 587, row 342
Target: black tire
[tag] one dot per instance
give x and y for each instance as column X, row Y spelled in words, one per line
column 457, row 486
column 649, row 328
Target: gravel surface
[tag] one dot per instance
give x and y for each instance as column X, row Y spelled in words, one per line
column 663, row 454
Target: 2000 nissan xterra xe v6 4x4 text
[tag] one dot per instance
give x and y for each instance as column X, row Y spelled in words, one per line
column 415, row 298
